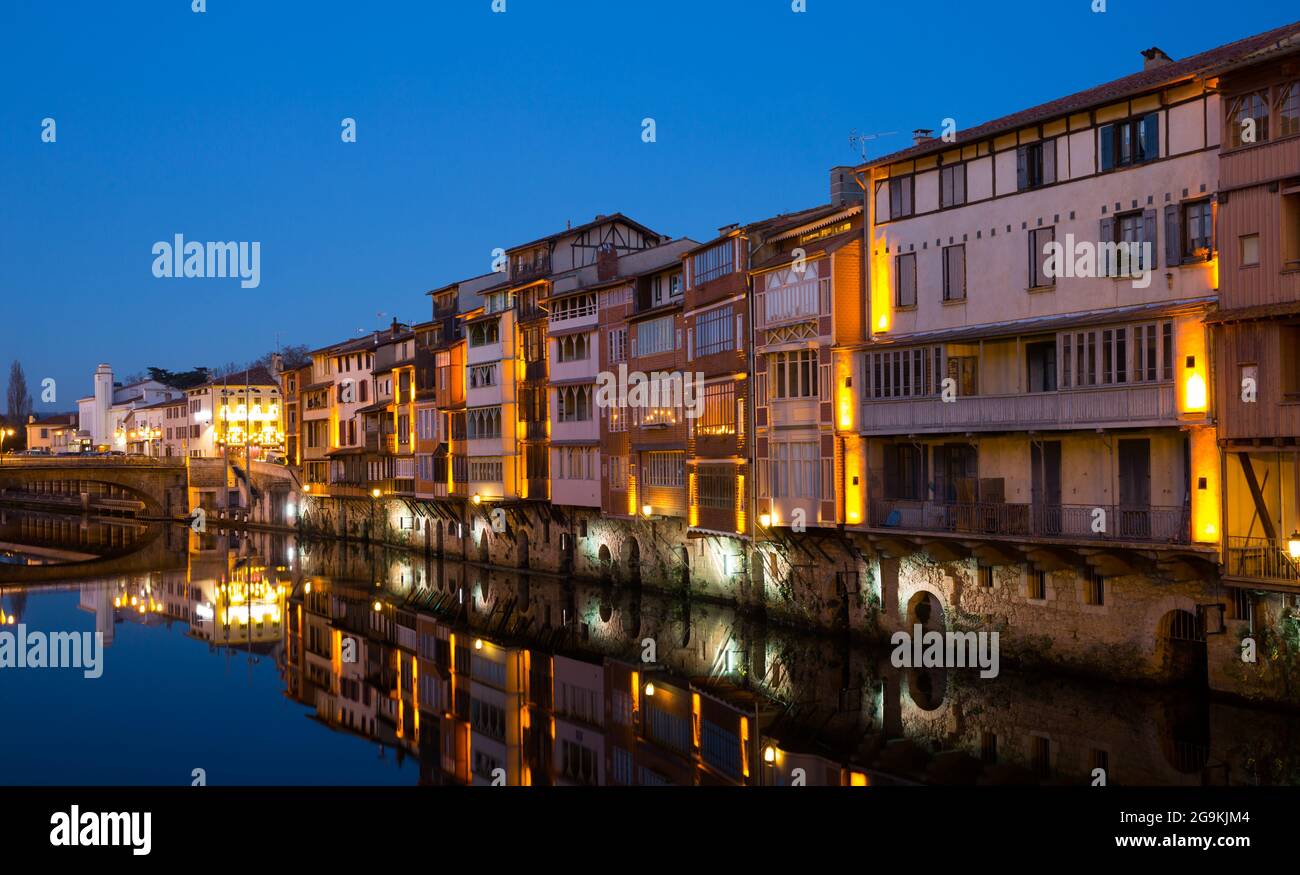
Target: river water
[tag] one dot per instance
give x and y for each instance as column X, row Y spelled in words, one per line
column 259, row 659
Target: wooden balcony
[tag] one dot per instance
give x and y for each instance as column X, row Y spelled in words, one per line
column 1140, row 405
column 1070, row 522
column 1259, row 560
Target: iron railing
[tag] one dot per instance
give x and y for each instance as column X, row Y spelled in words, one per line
column 1260, row 559
column 1087, row 522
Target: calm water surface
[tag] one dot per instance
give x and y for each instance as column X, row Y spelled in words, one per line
column 225, row 653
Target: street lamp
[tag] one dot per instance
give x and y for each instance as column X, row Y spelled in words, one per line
column 1293, row 545
column 4, row 433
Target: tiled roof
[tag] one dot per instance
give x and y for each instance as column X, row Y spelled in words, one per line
column 576, row 229
column 258, row 376
column 1109, row 92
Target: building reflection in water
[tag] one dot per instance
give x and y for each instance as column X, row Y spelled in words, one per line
column 488, row 676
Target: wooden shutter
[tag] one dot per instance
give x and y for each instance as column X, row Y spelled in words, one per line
column 1173, row 235
column 1049, row 161
column 1149, row 235
column 1106, row 147
column 1107, row 235
column 1022, row 169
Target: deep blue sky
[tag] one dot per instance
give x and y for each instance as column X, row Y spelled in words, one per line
column 475, row 130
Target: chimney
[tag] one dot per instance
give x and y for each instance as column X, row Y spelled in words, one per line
column 606, row 262
column 277, row 363
column 922, row 135
column 1155, row 57
column 31, row 417
column 727, row 229
column 395, row 329
column 844, row 188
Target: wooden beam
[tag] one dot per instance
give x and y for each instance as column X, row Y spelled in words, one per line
column 1052, row 558
column 944, row 550
column 1261, row 507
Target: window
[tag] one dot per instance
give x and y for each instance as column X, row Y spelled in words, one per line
column 713, row 331
column 952, row 185
column 1037, row 585
column 1198, row 230
column 1040, row 364
column 717, row 487
column 720, row 748
column 484, row 422
column 717, row 415
column 1288, row 110
column 1248, row 119
column 622, row 771
column 484, row 333
column 1036, row 165
column 573, row 348
column 1132, row 141
column 655, row 336
column 954, row 273
column 986, row 576
column 1128, row 244
column 1291, row 225
column 1249, row 250
column 482, row 376
column 908, row 373
column 795, row 470
column 905, row 280
column 665, row 469
column 485, row 469
column 713, row 262
column 665, row 287
column 574, row 403
column 793, row 374
column 1039, row 275
column 1094, row 587
column 1289, row 337
column 905, row 472
column 618, row 472
column 900, row 197
column 574, row 307
column 618, row 345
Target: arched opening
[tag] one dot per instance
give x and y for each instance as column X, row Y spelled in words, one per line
column 523, row 549
column 1181, row 650
column 483, row 547
column 1184, row 727
column 606, row 562
column 924, row 608
column 633, row 559
column 928, row 687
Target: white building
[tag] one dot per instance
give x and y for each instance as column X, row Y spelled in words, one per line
column 101, row 417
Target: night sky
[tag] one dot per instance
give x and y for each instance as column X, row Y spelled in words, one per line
column 474, row 130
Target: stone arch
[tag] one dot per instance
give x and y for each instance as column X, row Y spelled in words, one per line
column 522, row 548
column 1181, row 652
column 483, row 552
column 926, row 608
column 927, row 687
column 606, row 561
column 632, row 558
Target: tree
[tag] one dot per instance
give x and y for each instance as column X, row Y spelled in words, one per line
column 19, row 400
column 179, row 379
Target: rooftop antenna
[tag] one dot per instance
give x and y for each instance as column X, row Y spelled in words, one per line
column 860, row 142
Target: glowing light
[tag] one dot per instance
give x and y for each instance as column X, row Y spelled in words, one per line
column 378, row 605
column 477, row 499
column 478, row 643
column 769, row 754
column 1293, row 545
column 646, row 510
column 374, row 493
column 765, row 519
column 650, row 689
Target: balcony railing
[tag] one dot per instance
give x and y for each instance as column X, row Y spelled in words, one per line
column 1073, row 407
column 802, row 300
column 1166, row 525
column 1260, row 559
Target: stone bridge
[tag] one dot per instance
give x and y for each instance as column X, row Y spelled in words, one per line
column 151, row 487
